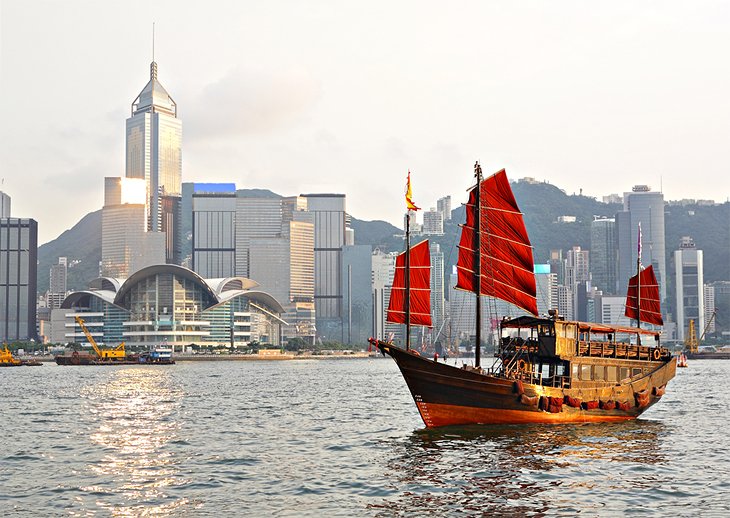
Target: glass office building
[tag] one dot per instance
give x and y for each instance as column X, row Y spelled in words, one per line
column 18, row 274
column 154, row 154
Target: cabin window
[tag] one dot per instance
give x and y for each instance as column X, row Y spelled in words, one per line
column 560, row 370
column 598, row 371
column 636, row 371
column 545, row 370
column 585, row 372
column 576, row 371
column 625, row 373
column 611, row 372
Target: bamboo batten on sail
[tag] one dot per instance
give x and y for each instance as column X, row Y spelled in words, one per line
column 420, row 287
column 650, row 309
column 507, row 267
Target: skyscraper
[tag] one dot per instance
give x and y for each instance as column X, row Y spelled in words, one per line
column 438, row 311
column 644, row 206
column 689, row 278
column 58, row 284
column 126, row 246
column 604, row 255
column 154, row 154
column 214, row 230
column 383, row 270
column 4, row 205
column 329, row 238
column 443, row 205
column 18, row 277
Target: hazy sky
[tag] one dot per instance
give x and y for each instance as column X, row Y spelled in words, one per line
column 337, row 96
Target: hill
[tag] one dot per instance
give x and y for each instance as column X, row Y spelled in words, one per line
column 81, row 244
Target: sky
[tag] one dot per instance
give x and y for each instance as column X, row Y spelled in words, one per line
column 347, row 97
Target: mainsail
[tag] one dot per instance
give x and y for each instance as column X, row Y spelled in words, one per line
column 420, row 287
column 644, row 292
column 507, row 268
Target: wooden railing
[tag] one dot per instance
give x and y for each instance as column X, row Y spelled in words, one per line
column 614, row 350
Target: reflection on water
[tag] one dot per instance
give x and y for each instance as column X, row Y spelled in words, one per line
column 525, row 470
column 134, row 412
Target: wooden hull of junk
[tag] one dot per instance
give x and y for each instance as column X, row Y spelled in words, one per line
column 447, row 395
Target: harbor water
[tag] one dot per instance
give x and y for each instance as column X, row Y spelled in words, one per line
column 338, row 438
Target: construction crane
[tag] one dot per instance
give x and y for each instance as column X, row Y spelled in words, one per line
column 118, row 353
column 692, row 342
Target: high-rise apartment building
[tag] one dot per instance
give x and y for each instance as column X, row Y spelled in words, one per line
column 722, row 308
column 214, row 230
column 443, row 205
column 689, row 279
column 644, row 206
column 58, row 284
column 433, row 222
column 126, row 245
column 383, row 271
column 329, row 214
column 709, row 293
column 4, row 205
column 604, row 255
column 438, row 302
column 154, row 154
column 18, row 278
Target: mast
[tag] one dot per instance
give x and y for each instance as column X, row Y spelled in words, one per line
column 478, row 265
column 638, row 288
column 408, row 280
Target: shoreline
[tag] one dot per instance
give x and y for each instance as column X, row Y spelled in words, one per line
column 241, row 357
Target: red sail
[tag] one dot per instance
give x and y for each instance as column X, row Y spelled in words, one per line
column 507, row 268
column 420, row 299
column 650, row 309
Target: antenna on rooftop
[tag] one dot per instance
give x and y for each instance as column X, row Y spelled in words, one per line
column 153, row 41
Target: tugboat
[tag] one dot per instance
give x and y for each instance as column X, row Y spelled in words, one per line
column 161, row 354
column 546, row 369
column 7, row 359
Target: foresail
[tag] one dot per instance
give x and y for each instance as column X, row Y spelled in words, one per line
column 420, row 287
column 649, row 300
column 507, row 266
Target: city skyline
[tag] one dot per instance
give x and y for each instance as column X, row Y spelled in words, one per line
column 363, row 96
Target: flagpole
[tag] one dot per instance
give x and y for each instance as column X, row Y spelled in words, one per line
column 408, row 280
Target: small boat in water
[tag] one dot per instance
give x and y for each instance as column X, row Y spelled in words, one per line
column 546, row 369
column 161, row 354
column 682, row 360
column 7, row 359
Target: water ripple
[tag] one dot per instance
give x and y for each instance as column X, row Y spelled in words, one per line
column 337, row 438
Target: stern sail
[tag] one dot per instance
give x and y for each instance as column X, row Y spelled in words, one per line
column 643, row 292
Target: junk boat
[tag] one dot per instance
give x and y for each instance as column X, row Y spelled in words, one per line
column 545, row 370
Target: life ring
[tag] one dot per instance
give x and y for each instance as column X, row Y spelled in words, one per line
column 656, row 354
column 522, row 365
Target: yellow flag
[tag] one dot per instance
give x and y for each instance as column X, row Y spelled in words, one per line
column 409, row 195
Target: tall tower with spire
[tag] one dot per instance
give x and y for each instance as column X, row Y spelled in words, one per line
column 154, row 153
